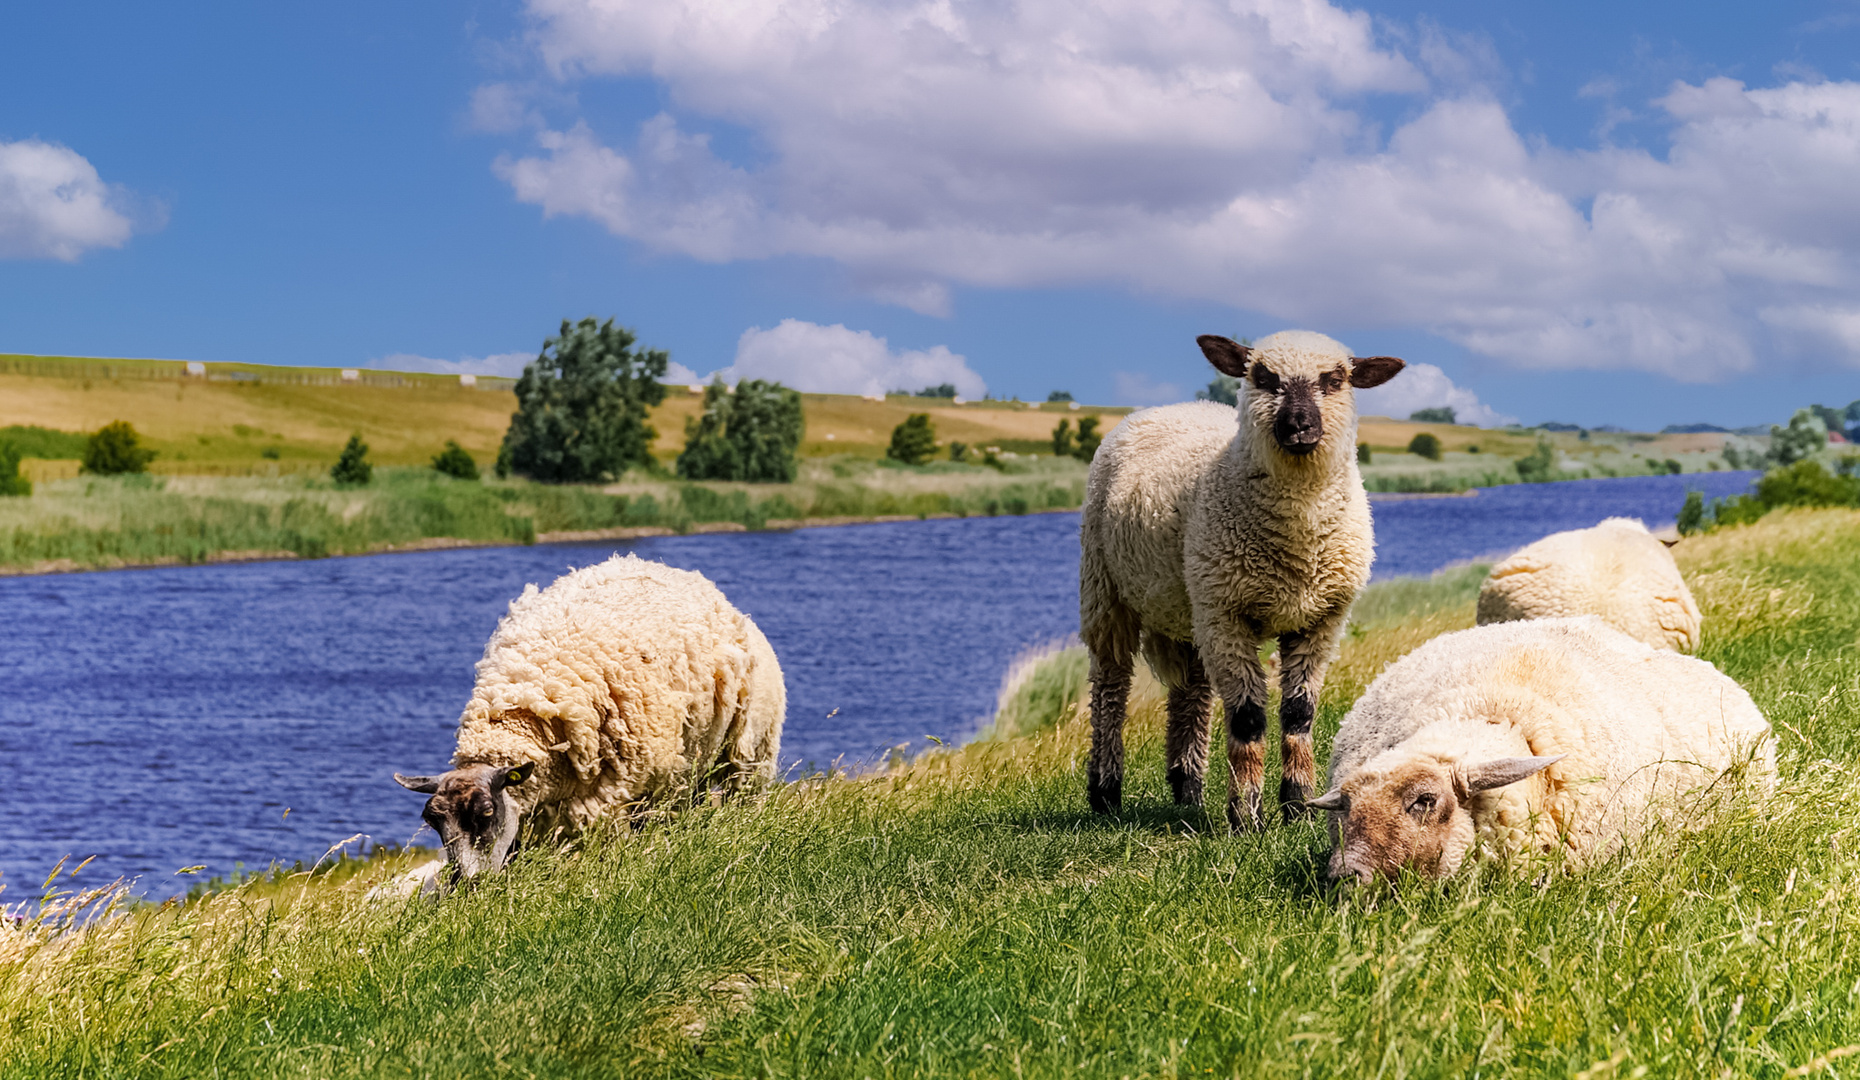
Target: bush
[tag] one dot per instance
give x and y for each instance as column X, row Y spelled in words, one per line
column 1440, row 415
column 11, row 483
column 582, row 406
column 116, row 449
column 1425, row 445
column 1692, row 514
column 271, row 453
column 1805, row 437
column 37, row 442
column 913, row 441
column 456, row 462
column 752, row 434
column 1088, row 439
column 1362, row 453
column 958, row 451
column 1224, row 389
column 1059, row 396
column 1539, row 465
column 1805, row 483
column 941, row 390
column 1062, row 439
column 352, row 468
column 1673, row 467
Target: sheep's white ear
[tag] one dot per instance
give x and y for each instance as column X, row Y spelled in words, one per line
column 1368, row 371
column 1228, row 356
column 1502, row 771
column 1330, row 800
column 425, row 785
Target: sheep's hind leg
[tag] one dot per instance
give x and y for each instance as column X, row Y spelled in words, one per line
column 1303, row 658
column 1191, row 709
column 1110, row 696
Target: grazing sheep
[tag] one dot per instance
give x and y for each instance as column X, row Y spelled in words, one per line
column 1551, row 735
column 1616, row 570
column 622, row 685
column 1207, row 530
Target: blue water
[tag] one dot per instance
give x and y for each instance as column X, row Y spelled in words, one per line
column 168, row 718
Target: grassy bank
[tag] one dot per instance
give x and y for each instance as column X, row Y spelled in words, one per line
column 94, row 522
column 965, row 915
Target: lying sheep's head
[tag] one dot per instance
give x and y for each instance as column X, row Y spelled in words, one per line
column 1296, row 391
column 474, row 813
column 1413, row 816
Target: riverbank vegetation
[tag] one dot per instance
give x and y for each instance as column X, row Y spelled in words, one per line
column 965, row 915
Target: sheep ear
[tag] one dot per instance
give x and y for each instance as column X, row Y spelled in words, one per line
column 1502, row 771
column 1368, row 371
column 425, row 785
column 1228, row 356
column 1330, row 800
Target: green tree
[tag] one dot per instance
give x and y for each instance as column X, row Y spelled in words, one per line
column 941, row 390
column 11, row 483
column 352, row 468
column 1062, row 439
column 1805, row 437
column 1224, row 389
column 752, row 434
column 582, row 406
column 1088, row 439
column 913, row 441
column 1362, row 453
column 958, row 451
column 1425, row 445
column 1440, row 415
column 455, row 461
column 114, row 449
column 1059, row 396
column 1692, row 514
column 1539, row 465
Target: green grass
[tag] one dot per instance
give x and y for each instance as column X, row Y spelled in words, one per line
column 964, row 915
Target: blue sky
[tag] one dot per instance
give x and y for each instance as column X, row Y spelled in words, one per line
column 1607, row 213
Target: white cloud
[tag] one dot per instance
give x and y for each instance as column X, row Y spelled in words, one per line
column 834, row 360
column 1215, row 151
column 676, row 372
column 1137, row 388
column 509, row 364
column 1424, row 386
column 53, row 205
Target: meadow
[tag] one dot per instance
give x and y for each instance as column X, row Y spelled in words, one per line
column 964, row 914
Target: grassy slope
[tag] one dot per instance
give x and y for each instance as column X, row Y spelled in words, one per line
column 964, row 915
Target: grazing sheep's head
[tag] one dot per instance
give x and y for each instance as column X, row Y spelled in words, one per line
column 1298, row 384
column 1414, row 815
column 474, row 813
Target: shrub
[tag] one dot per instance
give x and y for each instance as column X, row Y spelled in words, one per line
column 913, row 441
column 1442, row 414
column 1805, row 483
column 1539, row 465
column 1425, row 445
column 1692, row 514
column 456, row 462
column 352, row 468
column 116, row 449
column 1224, row 389
column 271, row 453
column 1673, row 467
column 941, row 390
column 1062, row 439
column 958, row 451
column 11, row 483
column 1805, row 437
column 1088, row 439
column 582, row 406
column 750, row 434
column 1362, row 453
column 1059, row 396
column 37, row 442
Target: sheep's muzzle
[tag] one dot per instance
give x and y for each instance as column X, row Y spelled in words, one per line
column 1298, row 426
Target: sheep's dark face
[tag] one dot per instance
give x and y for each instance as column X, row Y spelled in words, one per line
column 1296, row 396
column 475, row 814
column 1413, row 816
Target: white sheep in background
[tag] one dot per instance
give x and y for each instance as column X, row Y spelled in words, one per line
column 1207, row 530
column 1552, row 735
column 1616, row 570
column 620, row 686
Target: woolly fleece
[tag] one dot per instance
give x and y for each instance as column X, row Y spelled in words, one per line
column 1616, row 570
column 1637, row 725
column 626, row 682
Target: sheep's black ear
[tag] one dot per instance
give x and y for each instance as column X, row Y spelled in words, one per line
column 1487, row 775
column 1228, row 356
column 425, row 785
column 1332, row 800
column 513, row 777
column 1368, row 371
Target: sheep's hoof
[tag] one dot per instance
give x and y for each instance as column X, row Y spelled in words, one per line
column 1105, row 795
column 1243, row 816
column 1186, row 789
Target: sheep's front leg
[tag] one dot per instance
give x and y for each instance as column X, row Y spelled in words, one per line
column 1110, row 695
column 1303, row 659
column 1231, row 653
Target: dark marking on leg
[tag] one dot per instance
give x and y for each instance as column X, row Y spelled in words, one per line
column 1297, row 767
column 1246, row 765
column 1191, row 711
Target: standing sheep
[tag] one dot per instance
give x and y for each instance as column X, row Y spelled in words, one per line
column 1616, row 570
column 1207, row 530
column 1552, row 735
column 621, row 685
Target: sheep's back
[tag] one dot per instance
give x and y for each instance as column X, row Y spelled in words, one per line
column 1616, row 570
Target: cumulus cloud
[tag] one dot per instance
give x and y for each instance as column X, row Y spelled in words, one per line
column 53, row 205
column 1136, row 388
column 1424, row 386
column 1220, row 151
column 508, row 364
column 835, row 360
column 676, row 372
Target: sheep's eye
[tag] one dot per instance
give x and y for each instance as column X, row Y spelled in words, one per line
column 1332, row 381
column 1265, row 379
column 1422, row 805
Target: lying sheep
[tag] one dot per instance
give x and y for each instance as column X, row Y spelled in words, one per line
column 1616, row 570
column 1553, row 735
column 620, row 686
column 1208, row 530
